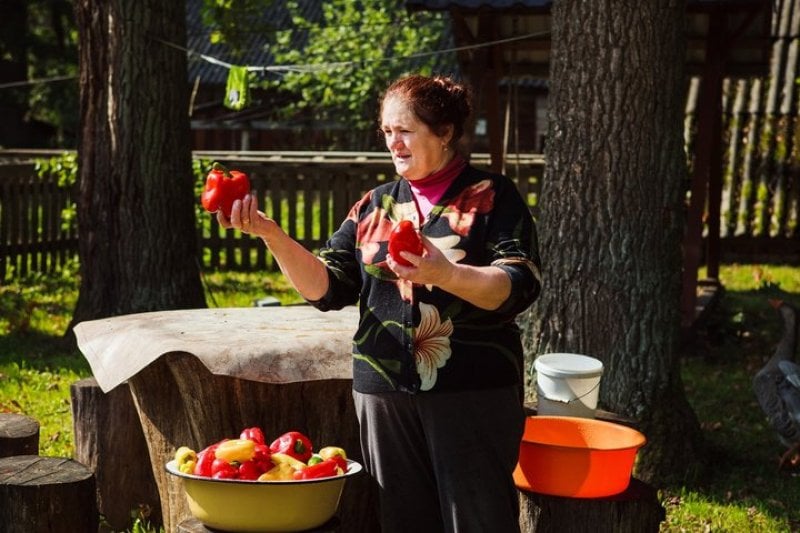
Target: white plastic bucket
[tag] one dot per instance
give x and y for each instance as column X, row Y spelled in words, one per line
column 567, row 384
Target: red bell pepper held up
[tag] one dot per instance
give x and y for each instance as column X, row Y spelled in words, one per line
column 404, row 238
column 294, row 444
column 222, row 188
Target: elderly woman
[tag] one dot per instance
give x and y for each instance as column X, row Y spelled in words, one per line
column 437, row 356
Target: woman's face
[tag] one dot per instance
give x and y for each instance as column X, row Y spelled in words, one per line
column 416, row 151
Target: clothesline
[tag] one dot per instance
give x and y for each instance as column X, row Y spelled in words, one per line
column 317, row 67
column 307, row 67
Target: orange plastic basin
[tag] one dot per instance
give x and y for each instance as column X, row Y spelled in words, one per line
column 576, row 457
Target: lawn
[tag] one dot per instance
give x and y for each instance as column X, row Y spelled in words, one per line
column 743, row 491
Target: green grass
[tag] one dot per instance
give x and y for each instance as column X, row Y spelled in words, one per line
column 743, row 490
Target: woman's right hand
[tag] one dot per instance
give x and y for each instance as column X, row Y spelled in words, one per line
column 246, row 217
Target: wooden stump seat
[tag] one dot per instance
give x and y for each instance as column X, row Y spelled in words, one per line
column 19, row 435
column 109, row 440
column 46, row 495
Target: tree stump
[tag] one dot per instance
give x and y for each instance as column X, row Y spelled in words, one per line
column 181, row 403
column 637, row 510
column 46, row 495
column 109, row 440
column 19, row 435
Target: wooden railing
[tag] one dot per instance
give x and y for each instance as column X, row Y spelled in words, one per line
column 309, row 194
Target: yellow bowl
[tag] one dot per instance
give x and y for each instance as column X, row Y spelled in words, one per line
column 244, row 506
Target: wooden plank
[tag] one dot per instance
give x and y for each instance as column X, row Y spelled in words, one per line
column 748, row 186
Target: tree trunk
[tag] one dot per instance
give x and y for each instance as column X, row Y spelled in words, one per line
column 613, row 215
column 137, row 239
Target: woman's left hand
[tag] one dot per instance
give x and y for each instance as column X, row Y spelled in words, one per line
column 430, row 268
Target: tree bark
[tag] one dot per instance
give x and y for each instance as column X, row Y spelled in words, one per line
column 137, row 239
column 613, row 216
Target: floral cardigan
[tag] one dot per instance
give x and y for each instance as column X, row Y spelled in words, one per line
column 420, row 338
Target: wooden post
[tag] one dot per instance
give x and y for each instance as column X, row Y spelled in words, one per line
column 46, row 495
column 706, row 163
column 110, row 441
column 19, row 435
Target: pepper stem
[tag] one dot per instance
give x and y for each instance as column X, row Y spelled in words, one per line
column 221, row 167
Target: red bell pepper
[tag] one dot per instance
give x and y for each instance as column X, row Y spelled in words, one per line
column 254, row 433
column 262, row 457
column 293, row 444
column 327, row 468
column 205, row 459
column 250, row 470
column 222, row 469
column 222, row 188
column 404, row 238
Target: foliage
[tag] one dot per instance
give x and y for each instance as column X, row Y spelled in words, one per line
column 65, row 167
column 47, row 47
column 348, row 57
column 235, row 22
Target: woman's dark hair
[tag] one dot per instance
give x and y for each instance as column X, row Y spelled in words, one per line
column 437, row 101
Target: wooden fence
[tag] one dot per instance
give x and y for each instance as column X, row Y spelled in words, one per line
column 309, row 194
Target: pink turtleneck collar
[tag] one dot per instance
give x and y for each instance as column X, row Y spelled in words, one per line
column 428, row 190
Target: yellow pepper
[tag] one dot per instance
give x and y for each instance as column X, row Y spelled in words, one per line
column 236, row 450
column 185, row 459
column 279, row 472
column 282, row 458
column 336, row 453
column 331, row 452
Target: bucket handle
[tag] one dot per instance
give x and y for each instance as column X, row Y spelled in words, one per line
column 587, row 393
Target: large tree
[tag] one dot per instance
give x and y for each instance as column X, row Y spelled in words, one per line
column 137, row 238
column 612, row 215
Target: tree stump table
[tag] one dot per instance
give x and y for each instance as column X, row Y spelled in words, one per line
column 201, row 375
column 46, row 495
column 19, row 435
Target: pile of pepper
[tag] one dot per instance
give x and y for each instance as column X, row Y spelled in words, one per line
column 290, row 457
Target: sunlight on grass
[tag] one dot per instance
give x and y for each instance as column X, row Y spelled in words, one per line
column 693, row 512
